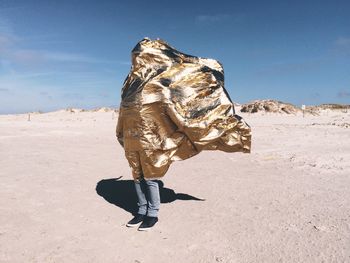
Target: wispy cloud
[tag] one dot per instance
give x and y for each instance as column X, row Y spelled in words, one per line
column 343, row 94
column 315, row 95
column 215, row 19
column 5, row 25
column 73, row 57
column 45, row 71
column 45, row 95
column 14, row 53
column 212, row 18
column 73, row 96
column 104, row 94
column 38, row 74
column 67, row 57
column 46, row 39
column 35, row 56
column 342, row 45
column 343, row 41
column 5, row 41
column 7, row 38
column 287, row 68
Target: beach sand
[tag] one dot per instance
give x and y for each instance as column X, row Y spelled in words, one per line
column 66, row 194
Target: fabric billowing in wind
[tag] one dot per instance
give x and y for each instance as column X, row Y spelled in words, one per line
column 174, row 106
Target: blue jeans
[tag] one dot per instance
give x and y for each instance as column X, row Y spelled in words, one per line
column 148, row 197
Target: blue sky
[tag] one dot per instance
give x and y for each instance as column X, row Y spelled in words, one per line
column 57, row 54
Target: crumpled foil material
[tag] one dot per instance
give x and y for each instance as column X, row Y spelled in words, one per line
column 173, row 106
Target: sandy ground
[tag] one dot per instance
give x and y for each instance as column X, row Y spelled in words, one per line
column 287, row 201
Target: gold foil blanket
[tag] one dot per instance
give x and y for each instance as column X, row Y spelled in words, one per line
column 174, row 106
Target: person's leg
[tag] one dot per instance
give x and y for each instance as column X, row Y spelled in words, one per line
column 153, row 199
column 141, row 197
column 153, row 202
column 133, row 158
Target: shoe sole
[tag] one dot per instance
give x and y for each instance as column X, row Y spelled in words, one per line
column 133, row 225
column 144, row 229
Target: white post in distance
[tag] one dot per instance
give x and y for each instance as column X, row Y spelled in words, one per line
column 303, row 108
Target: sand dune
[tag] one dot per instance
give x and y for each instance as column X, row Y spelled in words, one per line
column 66, row 194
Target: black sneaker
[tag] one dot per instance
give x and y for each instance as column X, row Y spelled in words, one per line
column 147, row 223
column 136, row 220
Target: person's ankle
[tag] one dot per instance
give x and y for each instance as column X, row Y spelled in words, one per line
column 154, row 216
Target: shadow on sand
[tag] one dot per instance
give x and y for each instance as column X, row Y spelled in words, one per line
column 122, row 193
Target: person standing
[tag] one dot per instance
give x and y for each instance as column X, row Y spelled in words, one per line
column 173, row 106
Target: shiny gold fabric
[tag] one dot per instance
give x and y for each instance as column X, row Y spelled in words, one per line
column 174, row 106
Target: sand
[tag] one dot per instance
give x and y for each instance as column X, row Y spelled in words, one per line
column 66, row 194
